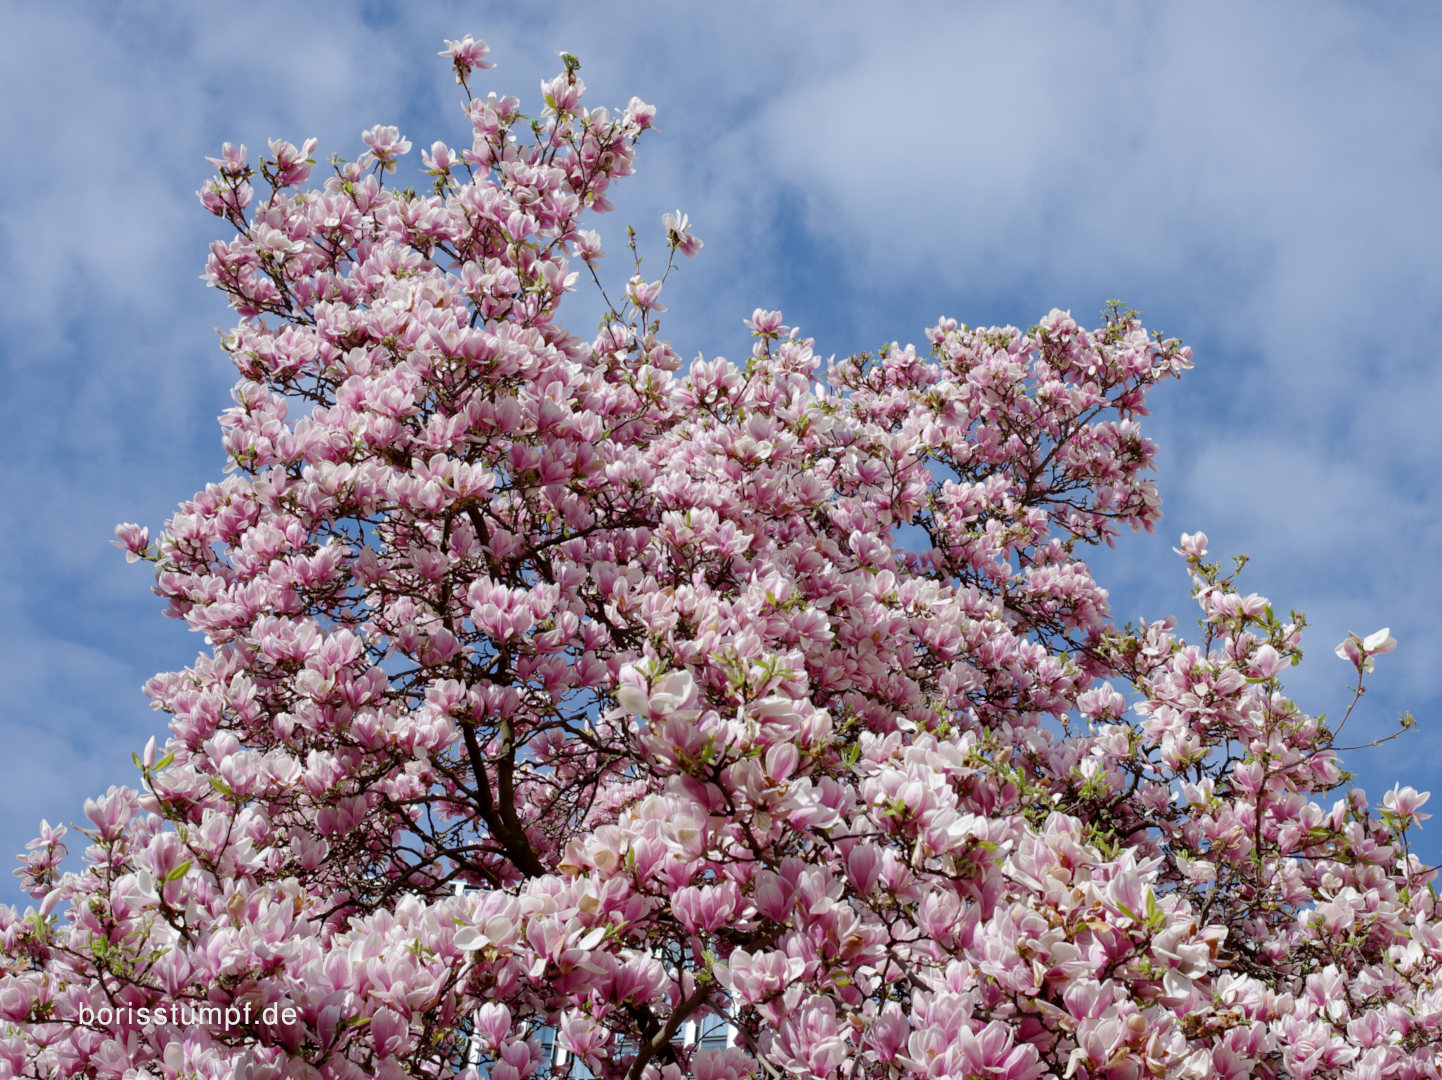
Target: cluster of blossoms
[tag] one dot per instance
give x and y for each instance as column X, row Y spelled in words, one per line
column 556, row 688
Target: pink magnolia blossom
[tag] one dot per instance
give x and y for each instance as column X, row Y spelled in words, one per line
column 467, row 55
column 679, row 235
column 1360, row 652
column 133, row 539
column 384, row 145
column 1405, row 802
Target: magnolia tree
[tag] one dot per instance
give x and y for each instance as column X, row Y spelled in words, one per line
column 560, row 690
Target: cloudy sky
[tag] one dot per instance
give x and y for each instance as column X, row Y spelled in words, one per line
column 1263, row 181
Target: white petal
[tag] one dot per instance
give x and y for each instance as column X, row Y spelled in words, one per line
column 633, row 700
column 1380, row 642
column 468, row 939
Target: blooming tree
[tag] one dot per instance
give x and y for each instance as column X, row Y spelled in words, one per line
column 558, row 686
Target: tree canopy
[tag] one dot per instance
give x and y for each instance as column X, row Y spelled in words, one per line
column 562, row 686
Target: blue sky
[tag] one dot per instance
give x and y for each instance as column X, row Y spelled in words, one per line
column 1263, row 181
